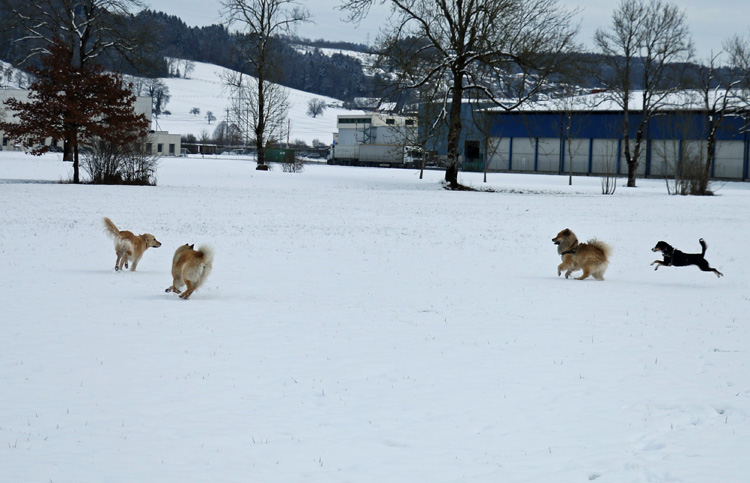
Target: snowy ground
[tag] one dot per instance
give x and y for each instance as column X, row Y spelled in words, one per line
column 362, row 325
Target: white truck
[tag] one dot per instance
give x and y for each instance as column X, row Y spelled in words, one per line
column 378, row 155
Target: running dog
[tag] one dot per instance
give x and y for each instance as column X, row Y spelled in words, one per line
column 129, row 247
column 591, row 257
column 676, row 258
column 190, row 267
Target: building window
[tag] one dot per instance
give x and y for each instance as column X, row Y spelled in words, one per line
column 160, row 148
column 171, row 149
column 409, row 122
column 5, row 141
column 390, row 122
column 363, row 120
column 149, row 148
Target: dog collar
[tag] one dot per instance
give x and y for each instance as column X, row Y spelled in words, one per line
column 572, row 250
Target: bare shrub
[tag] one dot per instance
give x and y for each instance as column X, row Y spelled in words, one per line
column 294, row 165
column 110, row 163
column 689, row 177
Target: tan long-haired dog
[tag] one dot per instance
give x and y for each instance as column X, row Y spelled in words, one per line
column 591, row 257
column 129, row 247
column 190, row 268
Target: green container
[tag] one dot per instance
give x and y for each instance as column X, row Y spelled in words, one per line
column 277, row 155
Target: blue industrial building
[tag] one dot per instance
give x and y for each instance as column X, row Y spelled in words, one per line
column 589, row 142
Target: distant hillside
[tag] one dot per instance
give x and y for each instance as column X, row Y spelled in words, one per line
column 203, row 91
column 339, row 75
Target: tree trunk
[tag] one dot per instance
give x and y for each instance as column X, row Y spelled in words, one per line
column 706, row 174
column 454, row 132
column 260, row 129
column 76, row 178
column 67, row 151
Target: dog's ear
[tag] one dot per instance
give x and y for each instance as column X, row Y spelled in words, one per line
column 566, row 232
column 192, row 246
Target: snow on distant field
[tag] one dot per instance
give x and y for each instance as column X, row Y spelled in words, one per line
column 205, row 90
column 363, row 325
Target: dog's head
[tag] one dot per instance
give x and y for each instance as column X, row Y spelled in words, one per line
column 565, row 240
column 151, row 240
column 563, row 236
column 183, row 248
column 663, row 247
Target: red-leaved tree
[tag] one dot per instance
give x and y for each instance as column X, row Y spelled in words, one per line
column 76, row 105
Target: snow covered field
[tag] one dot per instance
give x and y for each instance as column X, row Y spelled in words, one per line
column 204, row 89
column 362, row 325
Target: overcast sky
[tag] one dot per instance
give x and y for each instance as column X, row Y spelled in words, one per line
column 710, row 21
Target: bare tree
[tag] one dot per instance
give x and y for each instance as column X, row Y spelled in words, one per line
column 246, row 109
column 642, row 47
column 501, row 48
column 227, row 134
column 159, row 93
column 261, row 22
column 722, row 89
column 315, row 107
column 188, row 68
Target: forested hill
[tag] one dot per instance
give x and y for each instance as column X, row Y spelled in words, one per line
column 334, row 75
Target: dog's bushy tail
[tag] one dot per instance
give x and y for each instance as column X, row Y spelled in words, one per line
column 208, row 254
column 703, row 244
column 606, row 249
column 205, row 266
column 110, row 228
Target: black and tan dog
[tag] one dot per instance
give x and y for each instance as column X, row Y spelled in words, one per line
column 591, row 257
column 676, row 258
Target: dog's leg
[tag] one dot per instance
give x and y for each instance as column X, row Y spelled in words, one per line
column 703, row 265
column 135, row 264
column 189, row 291
column 122, row 259
column 175, row 283
column 585, row 274
column 658, row 263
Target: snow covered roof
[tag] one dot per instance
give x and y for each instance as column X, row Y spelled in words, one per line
column 605, row 101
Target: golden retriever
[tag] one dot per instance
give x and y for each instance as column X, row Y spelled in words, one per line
column 128, row 246
column 591, row 257
column 190, row 267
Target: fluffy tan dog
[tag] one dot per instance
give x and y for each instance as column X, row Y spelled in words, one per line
column 591, row 257
column 190, row 267
column 128, row 246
